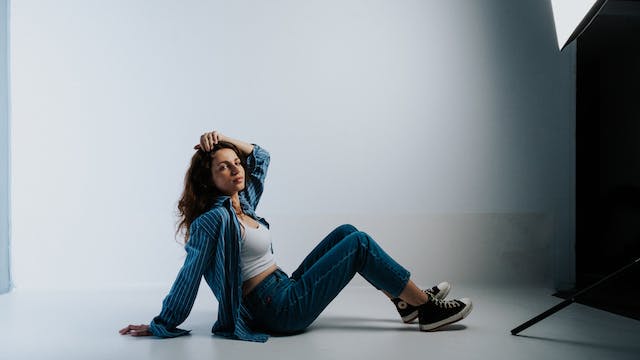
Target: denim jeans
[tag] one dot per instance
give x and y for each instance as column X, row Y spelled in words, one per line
column 281, row 304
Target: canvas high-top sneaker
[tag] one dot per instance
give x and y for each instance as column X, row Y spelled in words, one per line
column 408, row 313
column 438, row 313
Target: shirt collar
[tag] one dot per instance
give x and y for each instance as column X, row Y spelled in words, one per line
column 224, row 200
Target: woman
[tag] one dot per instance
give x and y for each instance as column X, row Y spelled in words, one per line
column 228, row 244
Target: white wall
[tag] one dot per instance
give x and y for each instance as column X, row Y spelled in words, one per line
column 445, row 129
column 5, row 280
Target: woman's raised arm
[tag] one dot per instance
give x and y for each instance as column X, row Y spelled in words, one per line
column 207, row 140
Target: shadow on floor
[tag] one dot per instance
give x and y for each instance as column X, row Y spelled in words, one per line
column 625, row 348
column 370, row 324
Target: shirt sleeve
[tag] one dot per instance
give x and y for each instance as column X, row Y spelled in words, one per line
column 178, row 303
column 257, row 165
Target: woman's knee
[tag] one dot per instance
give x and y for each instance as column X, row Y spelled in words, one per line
column 347, row 229
column 360, row 238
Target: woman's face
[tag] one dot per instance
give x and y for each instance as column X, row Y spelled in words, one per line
column 227, row 172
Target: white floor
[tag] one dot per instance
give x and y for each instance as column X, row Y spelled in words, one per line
column 359, row 324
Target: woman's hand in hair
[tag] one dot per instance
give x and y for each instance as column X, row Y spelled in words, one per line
column 136, row 330
column 208, row 139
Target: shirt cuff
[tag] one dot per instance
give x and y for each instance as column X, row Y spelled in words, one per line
column 163, row 332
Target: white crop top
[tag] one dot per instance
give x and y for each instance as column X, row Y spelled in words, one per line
column 256, row 252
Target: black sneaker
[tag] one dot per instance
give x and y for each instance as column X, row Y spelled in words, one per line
column 438, row 313
column 408, row 313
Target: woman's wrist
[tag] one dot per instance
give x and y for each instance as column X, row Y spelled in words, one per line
column 244, row 147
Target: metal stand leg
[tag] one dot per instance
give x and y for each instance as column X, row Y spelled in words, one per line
column 568, row 302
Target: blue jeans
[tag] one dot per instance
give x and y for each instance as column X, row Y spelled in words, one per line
column 282, row 305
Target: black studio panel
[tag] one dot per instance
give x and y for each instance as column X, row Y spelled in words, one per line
column 608, row 155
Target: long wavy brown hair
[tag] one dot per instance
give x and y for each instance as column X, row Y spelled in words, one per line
column 199, row 189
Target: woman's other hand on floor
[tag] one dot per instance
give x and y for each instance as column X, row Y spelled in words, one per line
column 136, row 330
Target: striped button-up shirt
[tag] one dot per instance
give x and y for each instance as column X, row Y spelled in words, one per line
column 213, row 251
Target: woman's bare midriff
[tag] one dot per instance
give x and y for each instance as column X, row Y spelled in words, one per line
column 248, row 285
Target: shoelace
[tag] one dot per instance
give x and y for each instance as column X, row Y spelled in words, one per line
column 445, row 304
column 431, row 291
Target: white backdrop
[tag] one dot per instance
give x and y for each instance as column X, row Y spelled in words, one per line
column 4, row 149
column 445, row 129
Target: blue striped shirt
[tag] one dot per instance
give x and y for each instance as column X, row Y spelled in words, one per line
column 213, row 251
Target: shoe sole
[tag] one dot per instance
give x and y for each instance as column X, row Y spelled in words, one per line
column 450, row 320
column 410, row 318
column 407, row 319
